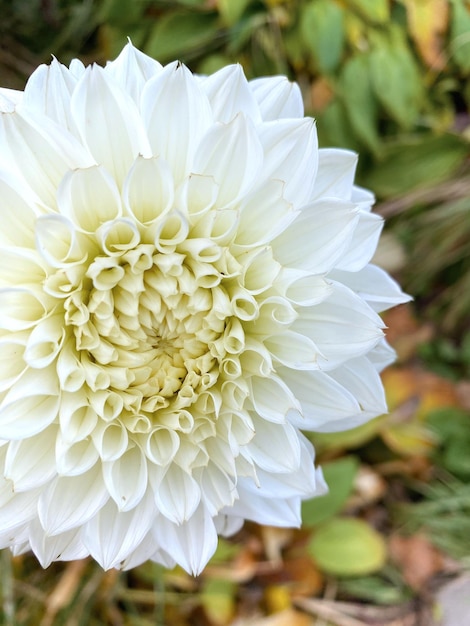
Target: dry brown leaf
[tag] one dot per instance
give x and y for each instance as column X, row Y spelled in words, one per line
column 321, row 94
column 463, row 393
column 428, row 21
column 417, row 558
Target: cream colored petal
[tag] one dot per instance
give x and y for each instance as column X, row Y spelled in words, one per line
column 74, row 459
column 275, row 447
column 374, row 286
column 18, row 213
column 12, row 363
column 322, row 233
column 48, row 91
column 232, row 155
column 40, row 152
column 190, row 544
column 363, row 243
column 21, row 266
column 111, row 536
column 63, row 547
column 70, row 501
column 264, row 214
column 30, row 405
column 272, row 400
column 89, row 198
column 343, row 327
column 45, row 342
column 148, row 189
column 132, row 69
column 30, row 462
column 126, row 478
column 177, row 494
column 291, row 155
column 22, row 308
column 323, row 399
column 335, row 177
column 176, row 114
column 59, row 243
column 108, row 122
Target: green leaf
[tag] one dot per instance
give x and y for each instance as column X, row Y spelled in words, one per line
column 334, row 127
column 374, row 10
column 121, row 12
column 375, row 589
column 359, row 100
column 322, row 32
column 218, row 600
column 348, row 547
column 460, row 35
column 395, row 78
column 182, row 35
column 339, row 476
column 418, row 161
column 232, row 10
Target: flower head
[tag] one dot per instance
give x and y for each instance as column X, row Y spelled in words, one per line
column 185, row 286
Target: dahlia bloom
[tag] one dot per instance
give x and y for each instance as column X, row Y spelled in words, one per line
column 185, row 287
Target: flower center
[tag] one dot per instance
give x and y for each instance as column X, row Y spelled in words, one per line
column 146, row 332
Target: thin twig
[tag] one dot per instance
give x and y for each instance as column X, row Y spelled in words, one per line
column 451, row 190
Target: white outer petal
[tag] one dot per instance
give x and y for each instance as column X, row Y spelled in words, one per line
column 176, row 114
column 108, row 122
column 229, row 94
column 277, row 97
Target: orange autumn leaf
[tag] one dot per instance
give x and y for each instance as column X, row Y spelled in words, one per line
column 428, row 22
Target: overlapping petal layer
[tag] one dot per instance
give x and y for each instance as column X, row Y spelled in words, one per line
column 185, row 286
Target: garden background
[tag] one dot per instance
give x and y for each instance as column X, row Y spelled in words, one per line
column 389, row 79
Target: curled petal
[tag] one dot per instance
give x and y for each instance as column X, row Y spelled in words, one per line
column 30, row 405
column 126, row 478
column 148, row 189
column 89, row 197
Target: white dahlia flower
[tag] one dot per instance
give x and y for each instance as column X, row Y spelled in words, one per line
column 184, row 287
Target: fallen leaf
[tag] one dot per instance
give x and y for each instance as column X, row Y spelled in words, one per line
column 348, row 547
column 418, row 559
